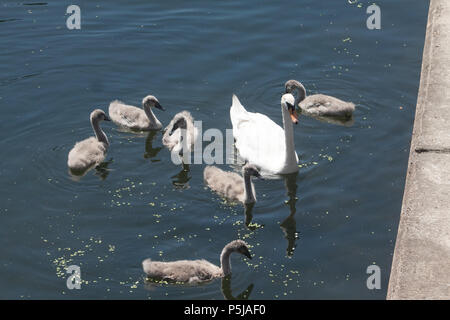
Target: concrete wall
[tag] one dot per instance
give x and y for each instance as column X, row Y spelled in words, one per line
column 421, row 264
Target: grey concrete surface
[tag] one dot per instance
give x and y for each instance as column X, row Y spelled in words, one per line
column 421, row 263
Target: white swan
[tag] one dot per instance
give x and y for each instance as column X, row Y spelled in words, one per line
column 92, row 151
column 264, row 143
column 319, row 104
column 231, row 185
column 195, row 271
column 135, row 118
column 181, row 127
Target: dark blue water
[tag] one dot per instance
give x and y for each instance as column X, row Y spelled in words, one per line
column 312, row 235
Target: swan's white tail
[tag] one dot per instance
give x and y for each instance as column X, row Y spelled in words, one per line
column 236, row 105
column 237, row 112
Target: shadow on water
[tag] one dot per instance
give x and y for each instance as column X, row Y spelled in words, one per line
column 228, row 295
column 151, row 152
column 289, row 225
column 102, row 171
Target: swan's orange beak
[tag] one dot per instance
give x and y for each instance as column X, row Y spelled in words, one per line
column 294, row 116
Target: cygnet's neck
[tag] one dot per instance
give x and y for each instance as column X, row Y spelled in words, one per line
column 100, row 135
column 301, row 94
column 150, row 115
column 248, row 188
column 290, row 159
column 225, row 264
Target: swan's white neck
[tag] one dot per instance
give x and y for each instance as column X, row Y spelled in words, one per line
column 225, row 261
column 290, row 159
column 248, row 187
column 150, row 115
column 100, row 135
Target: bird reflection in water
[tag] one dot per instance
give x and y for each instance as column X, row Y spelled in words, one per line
column 152, row 285
column 226, row 290
column 181, row 179
column 101, row 171
column 289, row 225
column 150, row 152
column 248, row 211
column 340, row 121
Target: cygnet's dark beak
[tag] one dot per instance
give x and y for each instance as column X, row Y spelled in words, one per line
column 107, row 118
column 157, row 105
column 247, row 253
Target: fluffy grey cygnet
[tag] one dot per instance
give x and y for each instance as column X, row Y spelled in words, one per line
column 195, row 271
column 173, row 135
column 319, row 104
column 231, row 185
column 134, row 118
column 92, row 151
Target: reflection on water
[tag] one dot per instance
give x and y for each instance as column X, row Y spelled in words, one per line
column 35, row 4
column 289, row 226
column 248, row 207
column 195, row 57
column 346, row 122
column 101, row 171
column 153, row 285
column 181, row 179
column 227, row 293
column 151, row 152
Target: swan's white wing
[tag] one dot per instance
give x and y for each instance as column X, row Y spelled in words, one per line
column 258, row 139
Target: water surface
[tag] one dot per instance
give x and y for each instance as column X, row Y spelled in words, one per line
column 312, row 235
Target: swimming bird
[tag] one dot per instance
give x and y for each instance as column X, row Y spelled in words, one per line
column 195, row 271
column 231, row 185
column 319, row 104
column 264, row 143
column 92, row 151
column 134, row 118
column 180, row 133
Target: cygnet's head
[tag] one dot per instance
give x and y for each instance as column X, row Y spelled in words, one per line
column 180, row 123
column 150, row 102
column 239, row 246
column 292, row 85
column 99, row 115
column 251, row 170
column 288, row 102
